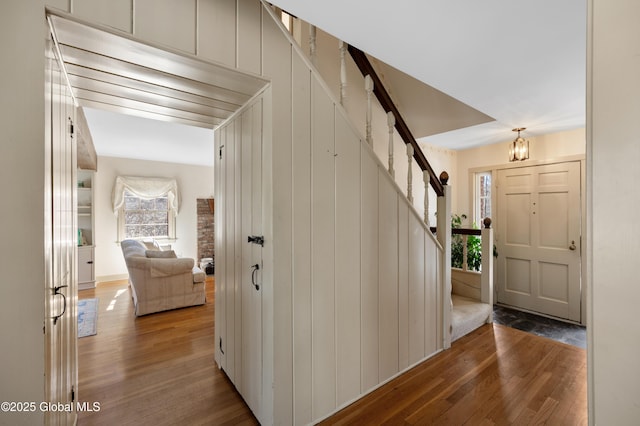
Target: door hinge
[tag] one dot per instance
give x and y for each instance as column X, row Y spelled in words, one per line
column 73, row 394
column 71, row 130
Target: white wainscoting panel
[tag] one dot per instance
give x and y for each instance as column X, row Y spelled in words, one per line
column 369, row 268
column 347, row 254
column 388, row 275
column 323, row 250
column 302, row 349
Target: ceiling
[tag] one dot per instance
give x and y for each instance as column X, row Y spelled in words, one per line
column 148, row 103
column 522, row 62
column 519, row 64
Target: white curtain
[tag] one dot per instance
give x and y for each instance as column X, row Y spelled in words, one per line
column 145, row 187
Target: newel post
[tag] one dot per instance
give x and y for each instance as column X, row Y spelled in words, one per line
column 486, row 278
column 443, row 234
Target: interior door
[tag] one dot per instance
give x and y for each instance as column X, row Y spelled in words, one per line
column 60, row 273
column 239, row 266
column 538, row 239
column 251, row 276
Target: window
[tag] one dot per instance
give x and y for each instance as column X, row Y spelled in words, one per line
column 146, row 207
column 482, row 199
column 146, row 217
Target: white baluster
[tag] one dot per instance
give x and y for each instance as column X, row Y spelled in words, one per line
column 368, row 86
column 391, row 122
column 427, row 180
column 343, row 72
column 410, row 173
column 312, row 43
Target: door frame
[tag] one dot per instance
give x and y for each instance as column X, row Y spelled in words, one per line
column 583, row 210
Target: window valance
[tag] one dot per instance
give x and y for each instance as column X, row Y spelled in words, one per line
column 145, row 187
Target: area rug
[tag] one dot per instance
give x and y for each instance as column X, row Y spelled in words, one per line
column 87, row 317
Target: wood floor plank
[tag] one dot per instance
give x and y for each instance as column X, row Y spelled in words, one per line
column 157, row 369
column 493, row 376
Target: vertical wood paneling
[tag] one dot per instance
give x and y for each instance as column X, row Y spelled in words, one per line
column 403, row 285
column 168, row 22
column 217, row 30
column 60, row 4
column 114, row 13
column 388, row 273
column 277, row 66
column 221, row 252
column 301, row 111
column 347, row 255
column 246, row 349
column 256, row 348
column 249, row 36
column 416, row 290
column 369, row 271
column 430, row 296
column 323, row 250
column 230, row 221
column 239, row 262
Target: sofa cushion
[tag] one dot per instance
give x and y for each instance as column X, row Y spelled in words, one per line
column 198, row 275
column 159, row 254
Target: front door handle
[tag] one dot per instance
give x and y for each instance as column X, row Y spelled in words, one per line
column 572, row 246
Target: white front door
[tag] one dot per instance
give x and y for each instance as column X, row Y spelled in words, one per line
column 538, row 239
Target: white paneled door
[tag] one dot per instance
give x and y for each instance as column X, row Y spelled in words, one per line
column 538, row 239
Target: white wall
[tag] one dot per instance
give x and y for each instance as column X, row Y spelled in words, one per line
column 541, row 148
column 354, row 288
column 22, row 256
column 613, row 107
column 328, row 65
column 193, row 182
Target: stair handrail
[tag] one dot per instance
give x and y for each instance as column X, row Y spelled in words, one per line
column 365, row 67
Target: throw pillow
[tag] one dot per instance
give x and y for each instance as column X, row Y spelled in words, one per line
column 168, row 254
column 151, row 245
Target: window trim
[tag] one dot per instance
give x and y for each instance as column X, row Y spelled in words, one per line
column 171, row 225
column 146, row 187
column 475, row 201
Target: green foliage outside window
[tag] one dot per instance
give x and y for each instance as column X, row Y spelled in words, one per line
column 474, row 246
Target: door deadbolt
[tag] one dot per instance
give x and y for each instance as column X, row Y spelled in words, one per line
column 573, row 245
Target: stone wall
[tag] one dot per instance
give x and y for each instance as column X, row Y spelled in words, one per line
column 206, row 235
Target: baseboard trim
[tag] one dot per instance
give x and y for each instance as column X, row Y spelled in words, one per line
column 87, row 286
column 117, row 277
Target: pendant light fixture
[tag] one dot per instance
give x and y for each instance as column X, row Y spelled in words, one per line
column 519, row 148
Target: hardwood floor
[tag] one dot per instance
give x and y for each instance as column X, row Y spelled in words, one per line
column 159, row 370
column 494, row 375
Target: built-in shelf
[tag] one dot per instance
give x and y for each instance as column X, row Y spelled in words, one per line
column 85, row 219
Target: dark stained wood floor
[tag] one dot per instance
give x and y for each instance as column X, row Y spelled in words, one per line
column 159, row 370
